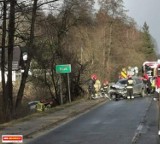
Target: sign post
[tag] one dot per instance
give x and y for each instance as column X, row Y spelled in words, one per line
column 69, row 93
column 62, row 69
column 60, row 84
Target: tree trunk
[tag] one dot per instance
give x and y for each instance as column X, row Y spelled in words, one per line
column 109, row 49
column 105, row 50
column 3, row 59
column 22, row 85
column 11, row 31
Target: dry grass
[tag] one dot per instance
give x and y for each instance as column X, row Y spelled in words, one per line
column 31, row 93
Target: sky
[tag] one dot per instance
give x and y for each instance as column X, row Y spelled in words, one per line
column 146, row 11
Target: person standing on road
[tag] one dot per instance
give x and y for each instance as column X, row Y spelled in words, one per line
column 105, row 86
column 97, row 87
column 91, row 83
column 157, row 95
column 157, row 84
column 105, row 89
column 147, row 82
column 130, row 87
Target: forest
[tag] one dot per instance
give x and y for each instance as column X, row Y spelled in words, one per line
column 53, row 32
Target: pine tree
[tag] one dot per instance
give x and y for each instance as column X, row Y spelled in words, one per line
column 147, row 41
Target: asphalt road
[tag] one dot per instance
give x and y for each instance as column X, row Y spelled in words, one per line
column 121, row 122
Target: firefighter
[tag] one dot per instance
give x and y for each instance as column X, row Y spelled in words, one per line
column 147, row 82
column 130, row 87
column 97, row 87
column 105, row 89
column 157, row 84
column 91, row 83
column 105, row 86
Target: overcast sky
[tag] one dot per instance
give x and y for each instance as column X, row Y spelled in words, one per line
column 146, row 10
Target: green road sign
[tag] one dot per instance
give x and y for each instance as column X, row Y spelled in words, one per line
column 63, row 68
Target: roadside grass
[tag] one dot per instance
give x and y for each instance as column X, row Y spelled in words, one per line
column 33, row 93
column 37, row 114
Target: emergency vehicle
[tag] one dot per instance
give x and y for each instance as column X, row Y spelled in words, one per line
column 149, row 68
column 157, row 68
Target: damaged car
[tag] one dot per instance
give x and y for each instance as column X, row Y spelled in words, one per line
column 119, row 91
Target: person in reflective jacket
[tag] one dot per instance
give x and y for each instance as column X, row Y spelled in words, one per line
column 130, row 87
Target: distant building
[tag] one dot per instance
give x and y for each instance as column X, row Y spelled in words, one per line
column 16, row 64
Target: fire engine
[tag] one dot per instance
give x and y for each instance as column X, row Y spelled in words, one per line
column 150, row 68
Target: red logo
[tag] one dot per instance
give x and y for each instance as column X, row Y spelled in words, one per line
column 12, row 138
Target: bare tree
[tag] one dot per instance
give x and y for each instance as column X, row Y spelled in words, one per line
column 30, row 46
column 11, row 31
column 114, row 8
column 57, row 29
column 4, row 15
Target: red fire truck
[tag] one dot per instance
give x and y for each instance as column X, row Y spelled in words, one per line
column 149, row 69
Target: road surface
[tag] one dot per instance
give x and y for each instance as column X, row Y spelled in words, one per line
column 121, row 122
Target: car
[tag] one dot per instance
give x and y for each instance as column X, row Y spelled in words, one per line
column 118, row 90
column 32, row 105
